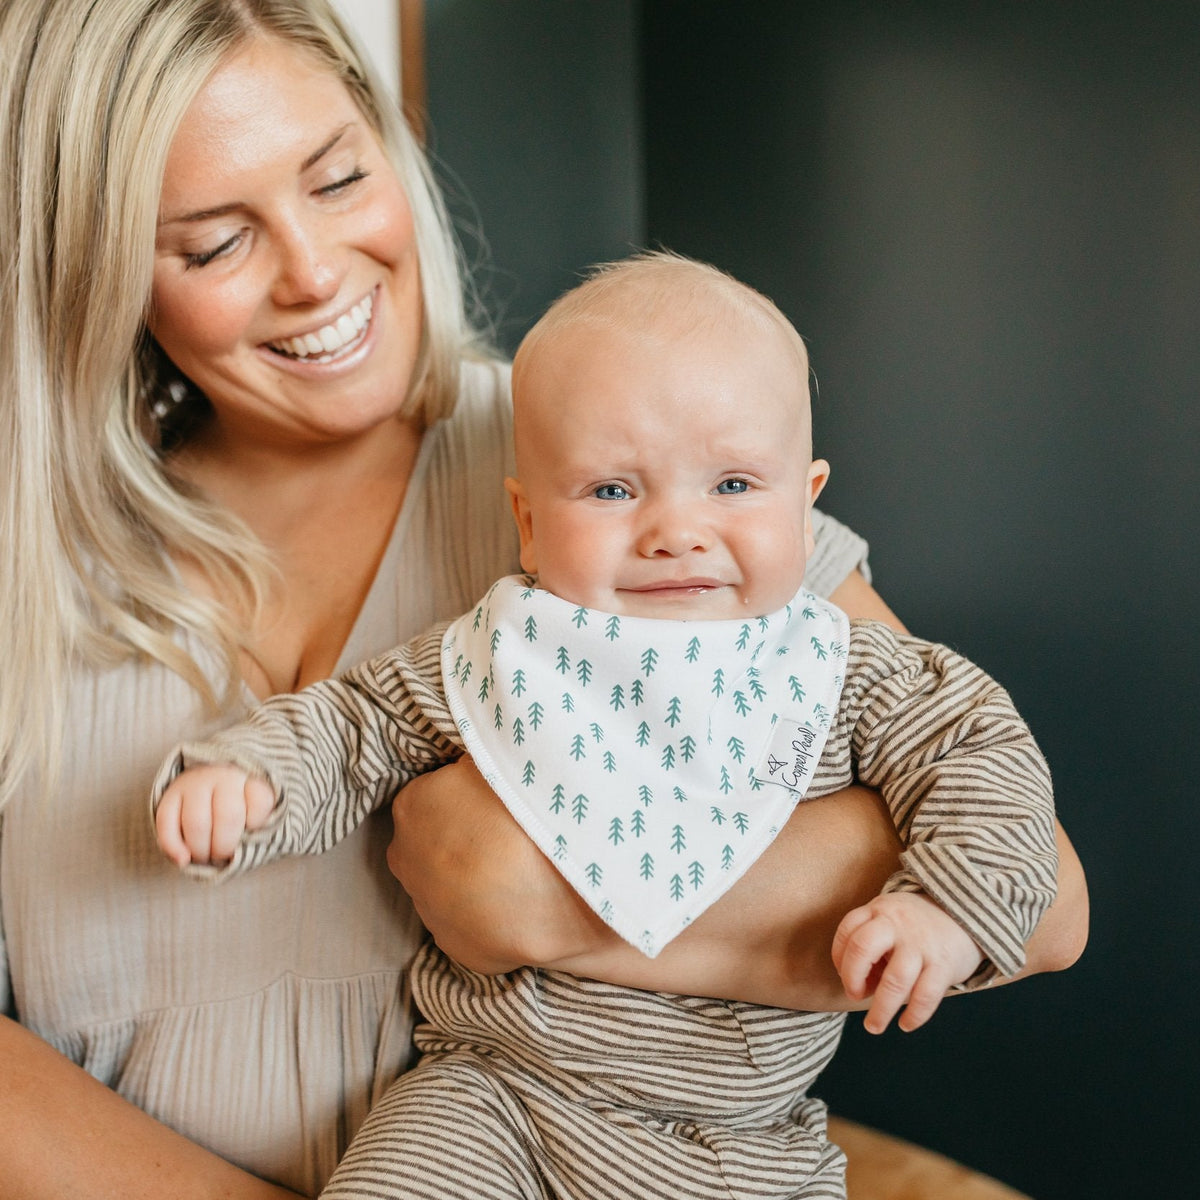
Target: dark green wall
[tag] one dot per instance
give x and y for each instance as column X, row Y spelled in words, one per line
column 985, row 218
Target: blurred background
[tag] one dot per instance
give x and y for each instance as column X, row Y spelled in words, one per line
column 984, row 217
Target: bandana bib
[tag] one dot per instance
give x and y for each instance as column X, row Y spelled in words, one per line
column 651, row 760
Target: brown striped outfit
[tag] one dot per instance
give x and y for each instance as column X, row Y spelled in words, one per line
column 540, row 1084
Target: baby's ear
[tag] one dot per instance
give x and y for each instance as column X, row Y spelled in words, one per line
column 524, row 519
column 818, row 477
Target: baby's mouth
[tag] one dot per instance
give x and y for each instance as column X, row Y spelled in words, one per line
column 329, row 341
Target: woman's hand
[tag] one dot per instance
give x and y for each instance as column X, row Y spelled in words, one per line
column 488, row 895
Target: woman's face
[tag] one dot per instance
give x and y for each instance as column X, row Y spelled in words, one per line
column 286, row 283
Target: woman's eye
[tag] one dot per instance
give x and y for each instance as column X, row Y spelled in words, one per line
column 204, row 257
column 340, row 185
column 732, row 487
column 611, row 491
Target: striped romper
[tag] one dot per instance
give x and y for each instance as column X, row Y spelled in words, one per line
column 541, row 1084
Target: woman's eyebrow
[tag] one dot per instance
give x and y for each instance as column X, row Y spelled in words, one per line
column 221, row 210
column 316, row 156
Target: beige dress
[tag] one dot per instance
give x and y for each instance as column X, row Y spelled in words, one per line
column 262, row 1018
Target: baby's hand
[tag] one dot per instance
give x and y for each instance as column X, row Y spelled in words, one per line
column 205, row 810
column 902, row 949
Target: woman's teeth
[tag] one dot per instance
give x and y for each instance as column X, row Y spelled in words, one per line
column 330, row 338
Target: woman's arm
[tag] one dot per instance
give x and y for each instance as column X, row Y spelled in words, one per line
column 65, row 1134
column 494, row 902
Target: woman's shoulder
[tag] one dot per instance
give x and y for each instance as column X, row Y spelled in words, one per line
column 839, row 550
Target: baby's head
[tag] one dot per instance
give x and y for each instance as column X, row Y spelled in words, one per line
column 664, row 445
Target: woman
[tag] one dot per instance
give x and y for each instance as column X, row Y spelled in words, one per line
column 254, row 440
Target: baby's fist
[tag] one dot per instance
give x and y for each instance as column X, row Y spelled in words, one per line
column 205, row 810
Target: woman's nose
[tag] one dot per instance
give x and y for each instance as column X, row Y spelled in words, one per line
column 309, row 266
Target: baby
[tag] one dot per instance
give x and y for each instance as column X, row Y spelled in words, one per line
column 651, row 701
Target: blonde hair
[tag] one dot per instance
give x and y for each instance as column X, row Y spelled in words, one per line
column 91, row 94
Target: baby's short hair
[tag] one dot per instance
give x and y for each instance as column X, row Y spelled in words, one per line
column 655, row 287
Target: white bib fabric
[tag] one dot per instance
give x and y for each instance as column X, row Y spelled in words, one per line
column 651, row 760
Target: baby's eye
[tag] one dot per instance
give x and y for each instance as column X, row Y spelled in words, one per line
column 732, row 487
column 611, row 491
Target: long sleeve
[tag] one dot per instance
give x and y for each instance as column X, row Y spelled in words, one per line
column 966, row 784
column 334, row 752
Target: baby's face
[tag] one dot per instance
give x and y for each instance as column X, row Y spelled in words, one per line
column 666, row 475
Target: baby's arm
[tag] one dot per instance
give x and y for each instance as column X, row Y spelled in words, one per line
column 970, row 795
column 318, row 762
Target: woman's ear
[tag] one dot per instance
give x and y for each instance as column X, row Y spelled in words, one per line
column 818, row 477
column 524, row 519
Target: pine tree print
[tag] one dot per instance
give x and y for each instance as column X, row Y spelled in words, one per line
column 560, row 847
column 646, row 795
column 740, row 703
column 726, row 782
column 530, row 629
column 797, row 689
column 606, row 912
column 484, row 686
column 756, row 686
column 763, row 625
column 457, row 666
column 674, row 711
column 667, row 761
column 696, row 875
column 693, row 650
column 821, row 713
column 527, row 775
column 558, row 798
column 676, row 887
column 536, row 714
column 563, row 660
column 583, row 671
column 678, row 839
column 687, row 747
column 518, row 684
column 679, row 794
column 612, row 628
column 737, row 748
column 596, row 731
column 743, row 639
column 478, row 618
column 518, row 731
column 595, row 873
column 616, row 831
column 580, row 617
column 718, row 684
column 610, row 761
column 579, row 808
column 495, row 640
column 837, row 649
column 727, row 857
column 741, row 822
column 568, row 702
column 616, row 698
column 637, row 823
column 817, row 645
column 637, row 691
column 717, row 816
column 646, row 869
column 578, row 747
column 643, row 734
column 649, row 660
column 808, row 612
column 466, row 673
column 498, row 717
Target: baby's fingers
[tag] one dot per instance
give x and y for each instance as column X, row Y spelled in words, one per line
column 862, row 941
column 167, row 826
column 927, row 992
column 894, row 990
